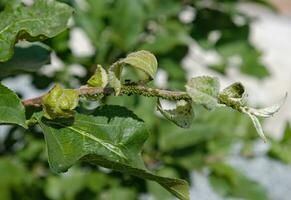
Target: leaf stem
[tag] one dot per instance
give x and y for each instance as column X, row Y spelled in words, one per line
column 125, row 90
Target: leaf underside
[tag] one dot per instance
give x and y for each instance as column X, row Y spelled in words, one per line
column 27, row 58
column 140, row 60
column 182, row 115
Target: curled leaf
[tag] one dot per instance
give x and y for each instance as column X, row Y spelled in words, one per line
column 264, row 112
column 235, row 90
column 204, row 90
column 269, row 111
column 141, row 60
column 258, row 126
column 99, row 78
column 233, row 96
column 182, row 115
column 114, row 79
column 60, row 103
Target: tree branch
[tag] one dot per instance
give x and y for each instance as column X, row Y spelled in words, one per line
column 125, row 90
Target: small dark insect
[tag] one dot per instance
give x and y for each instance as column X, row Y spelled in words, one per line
column 129, row 82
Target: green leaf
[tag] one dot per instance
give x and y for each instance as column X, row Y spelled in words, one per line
column 27, row 58
column 141, row 60
column 250, row 57
column 9, row 4
column 204, row 90
column 117, row 193
column 44, row 19
column 173, row 139
column 11, row 109
column 128, row 28
column 99, row 79
column 112, row 138
column 60, row 103
column 182, row 115
column 280, row 152
column 156, row 190
column 229, row 182
column 281, row 149
column 60, row 187
column 175, row 73
column 168, row 35
column 14, row 177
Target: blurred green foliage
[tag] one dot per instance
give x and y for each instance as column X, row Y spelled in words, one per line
column 116, row 27
column 281, row 149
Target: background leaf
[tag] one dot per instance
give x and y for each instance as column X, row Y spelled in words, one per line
column 280, row 150
column 44, row 19
column 15, row 178
column 128, row 28
column 229, row 182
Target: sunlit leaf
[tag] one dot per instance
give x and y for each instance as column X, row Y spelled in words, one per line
column 99, row 79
